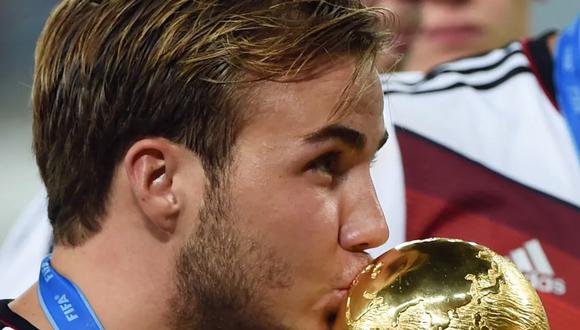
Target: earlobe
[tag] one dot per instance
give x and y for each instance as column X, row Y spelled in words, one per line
column 150, row 167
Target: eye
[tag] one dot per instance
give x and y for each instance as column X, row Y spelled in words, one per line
column 327, row 163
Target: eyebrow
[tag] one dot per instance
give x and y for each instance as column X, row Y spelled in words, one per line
column 348, row 136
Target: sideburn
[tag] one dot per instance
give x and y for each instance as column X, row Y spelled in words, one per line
column 218, row 283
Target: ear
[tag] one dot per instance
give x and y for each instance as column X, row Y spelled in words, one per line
column 150, row 165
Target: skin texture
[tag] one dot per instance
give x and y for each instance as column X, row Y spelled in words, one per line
column 448, row 29
column 274, row 247
column 296, row 230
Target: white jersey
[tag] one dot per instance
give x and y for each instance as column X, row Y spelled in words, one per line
column 24, row 248
column 498, row 117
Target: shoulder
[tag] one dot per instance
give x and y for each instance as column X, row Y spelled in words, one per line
column 527, row 61
column 480, row 72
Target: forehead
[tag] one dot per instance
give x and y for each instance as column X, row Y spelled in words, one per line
column 297, row 108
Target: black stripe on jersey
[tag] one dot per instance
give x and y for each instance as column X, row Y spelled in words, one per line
column 437, row 72
column 507, row 49
column 514, row 72
column 540, row 55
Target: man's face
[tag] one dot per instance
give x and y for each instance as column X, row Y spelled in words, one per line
column 451, row 29
column 278, row 247
column 448, row 29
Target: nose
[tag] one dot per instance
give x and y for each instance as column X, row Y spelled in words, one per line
column 364, row 225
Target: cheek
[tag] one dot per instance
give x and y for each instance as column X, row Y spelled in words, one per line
column 504, row 17
column 283, row 213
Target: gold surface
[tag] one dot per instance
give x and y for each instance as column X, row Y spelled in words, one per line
column 441, row 284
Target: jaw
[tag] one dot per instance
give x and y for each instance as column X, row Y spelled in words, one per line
column 321, row 315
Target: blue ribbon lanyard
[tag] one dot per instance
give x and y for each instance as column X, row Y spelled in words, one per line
column 62, row 301
column 567, row 79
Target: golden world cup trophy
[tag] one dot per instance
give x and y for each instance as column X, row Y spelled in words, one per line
column 440, row 284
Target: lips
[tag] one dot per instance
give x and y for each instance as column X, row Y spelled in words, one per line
column 453, row 35
column 338, row 295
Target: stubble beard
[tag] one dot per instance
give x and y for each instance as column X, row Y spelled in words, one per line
column 221, row 277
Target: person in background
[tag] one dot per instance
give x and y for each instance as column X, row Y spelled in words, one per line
column 431, row 32
column 452, row 29
column 465, row 27
column 487, row 141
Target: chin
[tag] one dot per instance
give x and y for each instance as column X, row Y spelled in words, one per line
column 327, row 320
column 316, row 322
column 325, row 323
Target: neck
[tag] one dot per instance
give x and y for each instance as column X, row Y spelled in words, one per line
column 125, row 280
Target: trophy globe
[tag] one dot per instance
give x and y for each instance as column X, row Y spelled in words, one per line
column 437, row 284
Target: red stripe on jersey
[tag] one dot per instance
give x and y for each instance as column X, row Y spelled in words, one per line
column 423, row 208
column 501, row 238
column 561, row 315
column 468, row 188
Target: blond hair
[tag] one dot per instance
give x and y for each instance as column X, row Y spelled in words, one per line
column 111, row 72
